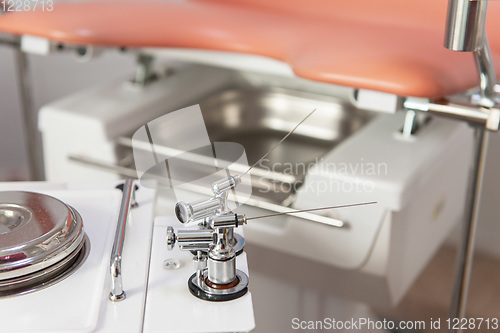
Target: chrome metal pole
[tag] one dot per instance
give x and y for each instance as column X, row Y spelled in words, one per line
column 465, row 31
column 117, row 293
column 465, row 25
column 466, row 252
column 30, row 127
column 487, row 77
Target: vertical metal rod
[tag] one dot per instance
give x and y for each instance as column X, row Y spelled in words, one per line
column 487, row 77
column 409, row 123
column 30, row 127
column 465, row 24
column 199, row 269
column 466, row 252
column 143, row 69
column 117, row 293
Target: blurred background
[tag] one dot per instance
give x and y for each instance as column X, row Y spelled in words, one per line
column 59, row 75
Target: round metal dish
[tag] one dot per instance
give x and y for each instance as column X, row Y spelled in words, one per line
column 36, row 232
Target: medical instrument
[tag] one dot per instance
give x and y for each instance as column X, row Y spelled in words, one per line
column 216, row 277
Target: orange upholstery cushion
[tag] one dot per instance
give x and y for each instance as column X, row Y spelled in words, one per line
column 394, row 46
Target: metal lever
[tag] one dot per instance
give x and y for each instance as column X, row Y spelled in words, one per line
column 191, row 240
column 117, row 293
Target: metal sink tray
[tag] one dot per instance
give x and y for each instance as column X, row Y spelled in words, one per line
column 258, row 118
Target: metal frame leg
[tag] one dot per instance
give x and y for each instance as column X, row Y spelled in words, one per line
column 30, row 126
column 466, row 251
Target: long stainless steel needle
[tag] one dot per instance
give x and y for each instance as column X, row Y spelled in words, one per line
column 311, row 210
column 277, row 144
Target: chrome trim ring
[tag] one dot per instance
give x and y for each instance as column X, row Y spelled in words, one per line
column 47, row 277
column 206, row 293
column 36, row 231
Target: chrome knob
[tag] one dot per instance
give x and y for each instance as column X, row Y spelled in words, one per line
column 197, row 210
column 225, row 184
column 171, row 238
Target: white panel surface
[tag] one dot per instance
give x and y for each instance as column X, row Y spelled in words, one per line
column 170, row 307
column 80, row 303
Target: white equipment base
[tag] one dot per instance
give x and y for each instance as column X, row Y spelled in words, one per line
column 170, row 307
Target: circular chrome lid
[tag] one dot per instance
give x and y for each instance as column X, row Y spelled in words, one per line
column 36, row 231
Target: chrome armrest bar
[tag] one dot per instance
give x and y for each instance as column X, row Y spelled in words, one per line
column 489, row 118
column 117, row 293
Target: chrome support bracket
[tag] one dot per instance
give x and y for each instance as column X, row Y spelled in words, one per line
column 488, row 118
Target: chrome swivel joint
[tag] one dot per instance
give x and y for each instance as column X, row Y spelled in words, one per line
column 202, row 211
column 216, row 205
column 216, row 277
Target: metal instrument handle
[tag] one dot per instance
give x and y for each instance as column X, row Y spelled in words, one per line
column 117, row 293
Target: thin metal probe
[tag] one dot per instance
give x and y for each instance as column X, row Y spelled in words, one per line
column 277, row 144
column 311, row 210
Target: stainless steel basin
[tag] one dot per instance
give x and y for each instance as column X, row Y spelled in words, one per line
column 258, row 118
column 257, row 114
column 254, row 110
